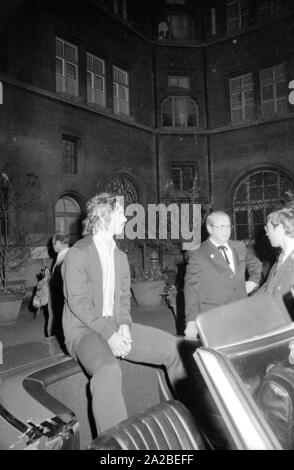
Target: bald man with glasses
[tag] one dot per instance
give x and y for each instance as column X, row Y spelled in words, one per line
column 215, row 272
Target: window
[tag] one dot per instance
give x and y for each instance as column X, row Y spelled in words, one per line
column 181, row 27
column 69, row 154
column 120, row 9
column 179, row 111
column 179, row 82
column 67, row 217
column 256, row 195
column 120, row 91
column 237, row 14
column 268, row 8
column 122, row 185
column 182, row 176
column 242, row 98
column 95, row 80
column 66, row 67
column 273, row 90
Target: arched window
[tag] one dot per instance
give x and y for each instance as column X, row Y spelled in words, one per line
column 255, row 196
column 68, row 217
column 179, row 111
column 122, row 185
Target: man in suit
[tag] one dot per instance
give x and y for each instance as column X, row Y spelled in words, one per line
column 280, row 282
column 97, row 324
column 215, row 272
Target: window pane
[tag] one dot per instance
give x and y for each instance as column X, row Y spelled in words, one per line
column 59, row 47
column 99, row 83
column 89, row 62
column 281, row 90
column 267, row 93
column 98, row 66
column 69, row 52
column 266, row 74
column 58, row 63
column 89, row 79
column 71, row 71
column 282, row 106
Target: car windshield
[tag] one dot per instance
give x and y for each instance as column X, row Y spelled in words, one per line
column 266, row 373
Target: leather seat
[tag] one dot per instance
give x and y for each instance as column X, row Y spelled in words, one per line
column 167, row 426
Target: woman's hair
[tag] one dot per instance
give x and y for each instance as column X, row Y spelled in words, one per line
column 99, row 209
column 59, row 237
column 285, row 217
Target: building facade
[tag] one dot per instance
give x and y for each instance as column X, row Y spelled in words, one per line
column 159, row 100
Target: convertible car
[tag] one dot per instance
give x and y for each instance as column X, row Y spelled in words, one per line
column 224, row 404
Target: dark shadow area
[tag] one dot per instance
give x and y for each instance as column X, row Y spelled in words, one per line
column 194, row 394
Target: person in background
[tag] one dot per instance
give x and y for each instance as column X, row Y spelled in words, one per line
column 215, row 273
column 97, row 323
column 60, row 245
column 280, row 282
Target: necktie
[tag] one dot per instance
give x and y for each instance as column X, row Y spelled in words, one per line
column 223, row 250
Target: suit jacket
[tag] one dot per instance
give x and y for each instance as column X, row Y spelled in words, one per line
column 83, row 292
column 278, row 284
column 210, row 282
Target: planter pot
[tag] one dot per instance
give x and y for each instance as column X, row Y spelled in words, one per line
column 10, row 305
column 147, row 293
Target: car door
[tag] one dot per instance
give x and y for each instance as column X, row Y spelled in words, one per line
column 245, row 424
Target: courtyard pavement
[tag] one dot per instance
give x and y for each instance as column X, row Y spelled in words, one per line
column 30, row 328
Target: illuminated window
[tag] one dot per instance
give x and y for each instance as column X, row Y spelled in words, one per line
column 242, row 98
column 66, row 60
column 273, row 90
column 96, row 93
column 121, row 91
column 179, row 111
column 175, row 81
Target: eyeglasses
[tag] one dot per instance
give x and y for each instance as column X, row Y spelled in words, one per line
column 223, row 227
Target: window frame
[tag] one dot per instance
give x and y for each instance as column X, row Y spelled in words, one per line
column 274, row 81
column 177, row 78
column 65, row 158
column 245, row 88
column 250, row 200
column 173, row 113
column 120, row 9
column 62, row 82
column 118, row 85
column 171, row 28
column 66, row 215
column 239, row 18
column 272, row 7
column 93, row 75
column 180, row 166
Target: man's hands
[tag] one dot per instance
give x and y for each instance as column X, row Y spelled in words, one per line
column 250, row 286
column 120, row 341
column 191, row 330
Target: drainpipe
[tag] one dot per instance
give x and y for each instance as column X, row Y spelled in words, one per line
column 155, row 123
column 207, row 120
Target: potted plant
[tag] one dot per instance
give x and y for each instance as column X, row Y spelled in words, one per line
column 148, row 285
column 13, row 252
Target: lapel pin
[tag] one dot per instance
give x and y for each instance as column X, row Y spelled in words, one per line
column 212, row 256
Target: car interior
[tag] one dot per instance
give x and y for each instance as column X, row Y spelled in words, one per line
column 256, row 337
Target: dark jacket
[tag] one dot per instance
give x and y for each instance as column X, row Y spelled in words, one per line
column 83, row 292
column 210, row 282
